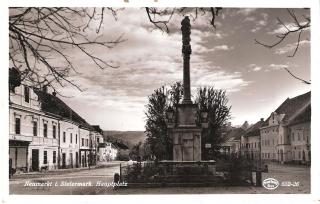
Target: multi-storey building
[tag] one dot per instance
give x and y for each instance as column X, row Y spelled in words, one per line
column 251, row 142
column 286, row 133
column 45, row 133
column 33, row 138
column 97, row 140
column 85, row 146
column 299, row 131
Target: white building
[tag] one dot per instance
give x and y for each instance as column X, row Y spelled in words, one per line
column 107, row 151
column 285, row 135
column 46, row 134
column 33, row 134
column 251, row 142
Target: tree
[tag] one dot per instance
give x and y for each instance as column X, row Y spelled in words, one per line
column 156, row 128
column 39, row 38
column 295, row 28
column 158, row 142
column 215, row 102
column 160, row 17
column 209, row 99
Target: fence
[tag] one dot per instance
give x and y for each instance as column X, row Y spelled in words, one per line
column 227, row 170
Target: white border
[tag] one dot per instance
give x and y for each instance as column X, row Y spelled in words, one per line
column 245, row 198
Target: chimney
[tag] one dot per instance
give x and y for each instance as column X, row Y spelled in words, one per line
column 261, row 119
column 186, row 51
column 54, row 93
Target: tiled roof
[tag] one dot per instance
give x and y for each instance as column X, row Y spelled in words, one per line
column 52, row 104
column 234, row 134
column 303, row 116
column 254, row 130
column 290, row 107
column 97, row 129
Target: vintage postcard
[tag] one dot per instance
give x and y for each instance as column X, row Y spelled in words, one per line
column 153, row 100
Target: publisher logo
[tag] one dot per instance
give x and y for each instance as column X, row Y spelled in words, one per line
column 270, row 183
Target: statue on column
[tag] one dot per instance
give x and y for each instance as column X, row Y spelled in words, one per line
column 186, row 31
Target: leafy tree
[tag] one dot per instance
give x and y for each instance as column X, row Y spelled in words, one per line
column 208, row 99
column 215, row 102
column 156, row 128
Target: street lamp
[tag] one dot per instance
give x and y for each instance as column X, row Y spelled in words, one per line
column 204, row 118
column 170, row 117
column 170, row 113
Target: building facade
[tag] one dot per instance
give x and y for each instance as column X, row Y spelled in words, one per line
column 251, row 142
column 45, row 133
column 285, row 136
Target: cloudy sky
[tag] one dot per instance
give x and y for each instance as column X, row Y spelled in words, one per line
column 225, row 57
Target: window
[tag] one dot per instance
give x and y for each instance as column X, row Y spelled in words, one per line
column 45, row 157
column 298, row 136
column 35, row 128
column 54, row 158
column 64, row 137
column 299, row 155
column 54, row 131
column 76, row 139
column 98, row 140
column 45, row 130
column 26, row 94
column 82, row 141
column 18, row 126
column 70, row 137
column 87, row 142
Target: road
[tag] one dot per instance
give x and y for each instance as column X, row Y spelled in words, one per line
column 58, row 183
column 105, row 175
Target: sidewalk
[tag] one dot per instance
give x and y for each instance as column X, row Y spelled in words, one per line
column 64, row 171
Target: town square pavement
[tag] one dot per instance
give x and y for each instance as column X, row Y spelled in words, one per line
column 297, row 176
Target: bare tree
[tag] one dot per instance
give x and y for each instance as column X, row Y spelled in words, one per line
column 40, row 37
column 295, row 28
column 160, row 17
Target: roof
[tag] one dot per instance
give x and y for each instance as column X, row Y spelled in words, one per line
column 119, row 145
column 52, row 104
column 97, row 129
column 234, row 134
column 290, row 107
column 303, row 116
column 254, row 130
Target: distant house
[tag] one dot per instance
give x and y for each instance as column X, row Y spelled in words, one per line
column 96, row 140
column 285, row 135
column 107, row 152
column 250, row 142
column 232, row 141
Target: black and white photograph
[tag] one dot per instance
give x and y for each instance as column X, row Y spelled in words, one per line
column 159, row 100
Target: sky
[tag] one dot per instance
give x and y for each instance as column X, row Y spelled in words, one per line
column 226, row 57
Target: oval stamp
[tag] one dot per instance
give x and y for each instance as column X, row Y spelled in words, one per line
column 270, row 183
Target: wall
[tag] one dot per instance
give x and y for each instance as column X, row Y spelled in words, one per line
column 300, row 141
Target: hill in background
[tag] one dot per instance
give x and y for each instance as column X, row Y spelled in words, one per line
column 129, row 138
